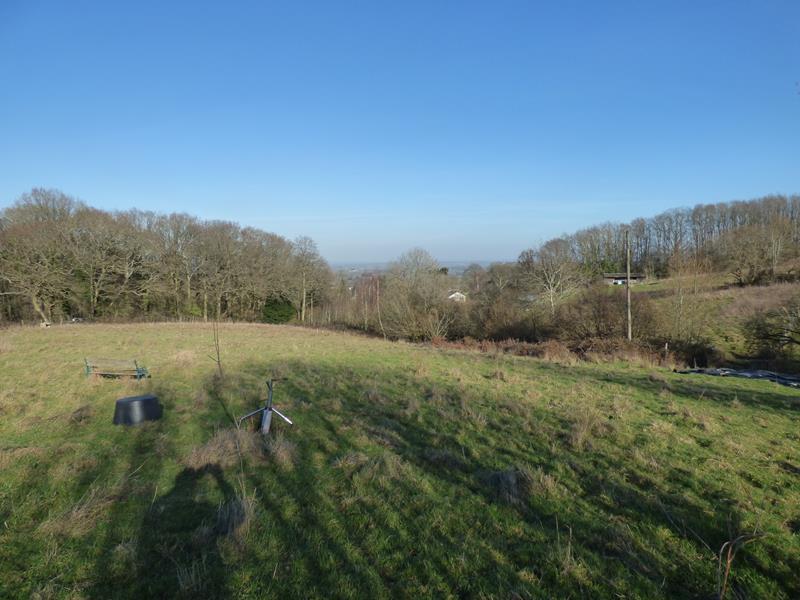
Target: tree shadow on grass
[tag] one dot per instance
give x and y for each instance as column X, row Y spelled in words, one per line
column 767, row 396
column 612, row 506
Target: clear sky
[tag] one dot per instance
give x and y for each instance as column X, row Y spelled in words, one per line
column 472, row 129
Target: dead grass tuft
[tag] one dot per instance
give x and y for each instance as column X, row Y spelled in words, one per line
column 82, row 517
column 517, row 484
column 184, row 358
column 705, row 423
column 412, row 406
column 499, row 375
column 222, row 449
column 645, row 460
column 545, row 484
column 621, row 406
column 351, row 461
column 381, row 469
column 661, row 429
column 386, row 466
column 586, row 425
column 201, row 399
column 125, row 552
column 78, row 463
column 437, row 396
column 81, row 415
column 10, row 456
column 470, row 408
column 235, row 516
column 557, row 352
column 282, row 451
column 374, row 396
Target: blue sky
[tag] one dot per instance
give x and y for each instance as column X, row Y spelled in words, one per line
column 472, row 129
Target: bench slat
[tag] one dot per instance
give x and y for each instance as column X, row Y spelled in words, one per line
column 111, row 362
column 115, row 367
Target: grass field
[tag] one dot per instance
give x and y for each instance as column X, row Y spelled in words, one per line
column 409, row 472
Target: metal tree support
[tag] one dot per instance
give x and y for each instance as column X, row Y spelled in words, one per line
column 266, row 411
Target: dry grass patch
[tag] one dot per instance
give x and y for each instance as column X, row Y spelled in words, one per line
column 81, row 415
column 747, row 300
column 373, row 396
column 11, row 456
column 545, row 484
column 184, row 358
column 235, row 516
column 499, row 375
column 412, row 406
column 621, row 407
column 381, row 469
column 83, row 516
column 661, row 429
column 517, row 485
column 645, row 460
column 351, row 461
column 734, row 447
column 705, row 423
column 224, row 447
column 78, row 462
column 586, row 424
column 282, row 451
column 557, row 352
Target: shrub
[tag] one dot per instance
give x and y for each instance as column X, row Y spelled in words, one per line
column 277, row 310
column 600, row 312
column 773, row 333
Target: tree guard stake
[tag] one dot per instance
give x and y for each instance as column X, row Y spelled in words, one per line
column 266, row 411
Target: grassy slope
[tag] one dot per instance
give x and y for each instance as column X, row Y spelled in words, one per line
column 723, row 308
column 410, row 471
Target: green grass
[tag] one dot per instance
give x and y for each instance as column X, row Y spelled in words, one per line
column 409, row 472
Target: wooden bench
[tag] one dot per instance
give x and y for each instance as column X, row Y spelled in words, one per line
column 110, row 367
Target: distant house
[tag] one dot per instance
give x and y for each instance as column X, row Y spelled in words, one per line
column 619, row 278
column 457, row 297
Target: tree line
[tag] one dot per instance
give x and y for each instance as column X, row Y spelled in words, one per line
column 748, row 238
column 552, row 291
column 61, row 259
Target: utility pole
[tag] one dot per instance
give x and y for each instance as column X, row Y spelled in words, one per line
column 628, row 279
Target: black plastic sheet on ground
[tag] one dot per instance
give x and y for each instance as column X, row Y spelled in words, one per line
column 789, row 380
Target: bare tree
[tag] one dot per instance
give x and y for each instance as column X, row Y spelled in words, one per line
column 312, row 273
column 415, row 297
column 551, row 272
column 33, row 259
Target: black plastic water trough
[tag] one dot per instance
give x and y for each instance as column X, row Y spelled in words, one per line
column 136, row 409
